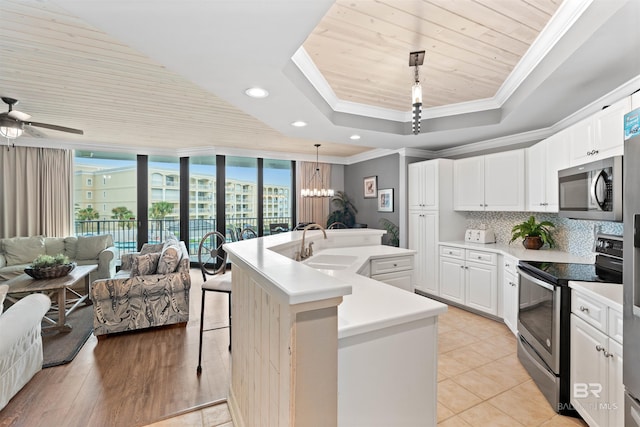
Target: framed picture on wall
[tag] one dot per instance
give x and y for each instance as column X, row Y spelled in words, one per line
column 385, row 200
column 371, row 187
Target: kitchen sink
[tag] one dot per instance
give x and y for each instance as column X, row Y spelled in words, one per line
column 330, row 262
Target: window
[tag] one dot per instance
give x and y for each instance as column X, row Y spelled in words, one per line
column 241, row 177
column 117, row 172
column 164, row 205
column 202, row 200
column 276, row 197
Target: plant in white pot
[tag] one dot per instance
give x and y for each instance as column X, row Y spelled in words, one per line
column 534, row 234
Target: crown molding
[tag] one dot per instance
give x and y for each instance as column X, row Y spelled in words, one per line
column 497, row 143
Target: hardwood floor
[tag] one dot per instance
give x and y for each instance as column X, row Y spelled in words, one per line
column 132, row 379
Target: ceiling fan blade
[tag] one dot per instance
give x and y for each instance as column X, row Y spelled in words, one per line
column 34, row 133
column 55, row 127
column 18, row 115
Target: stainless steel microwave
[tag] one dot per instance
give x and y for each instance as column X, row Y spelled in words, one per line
column 592, row 191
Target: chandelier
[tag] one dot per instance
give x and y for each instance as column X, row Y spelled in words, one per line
column 415, row 60
column 312, row 189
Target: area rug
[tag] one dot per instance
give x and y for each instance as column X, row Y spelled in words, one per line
column 61, row 347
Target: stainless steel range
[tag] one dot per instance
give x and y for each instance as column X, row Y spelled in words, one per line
column 543, row 315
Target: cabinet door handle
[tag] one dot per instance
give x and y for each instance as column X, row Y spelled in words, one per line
column 607, row 354
column 583, row 308
column 395, row 265
column 506, row 264
column 462, row 266
column 479, row 257
column 599, row 348
column 512, row 284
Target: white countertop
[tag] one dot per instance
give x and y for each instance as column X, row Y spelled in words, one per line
column 608, row 293
column 518, row 251
column 367, row 304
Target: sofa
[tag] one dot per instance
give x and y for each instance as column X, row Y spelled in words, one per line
column 150, row 289
column 20, row 342
column 17, row 253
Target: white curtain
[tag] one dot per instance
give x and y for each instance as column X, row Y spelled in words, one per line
column 311, row 209
column 35, row 191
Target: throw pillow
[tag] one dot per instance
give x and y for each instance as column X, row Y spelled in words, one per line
column 150, row 248
column 23, row 250
column 144, row 264
column 169, row 260
column 4, row 289
column 54, row 245
column 89, row 247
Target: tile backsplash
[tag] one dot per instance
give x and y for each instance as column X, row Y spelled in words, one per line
column 574, row 236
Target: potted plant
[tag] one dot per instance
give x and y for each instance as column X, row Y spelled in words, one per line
column 535, row 234
column 345, row 211
column 48, row 266
column 392, row 231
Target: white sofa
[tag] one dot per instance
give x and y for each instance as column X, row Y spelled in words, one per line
column 17, row 253
column 20, row 343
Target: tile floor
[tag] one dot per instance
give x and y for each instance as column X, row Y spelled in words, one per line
column 480, row 381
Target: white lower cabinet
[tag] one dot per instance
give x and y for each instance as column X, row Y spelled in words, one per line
column 395, row 271
column 597, row 392
column 510, row 287
column 423, row 238
column 469, row 277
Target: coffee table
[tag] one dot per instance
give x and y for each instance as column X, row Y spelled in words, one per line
column 59, row 285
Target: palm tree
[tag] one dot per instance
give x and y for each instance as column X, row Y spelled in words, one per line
column 87, row 214
column 159, row 210
column 123, row 214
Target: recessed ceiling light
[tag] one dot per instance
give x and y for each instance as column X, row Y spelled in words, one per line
column 299, row 124
column 354, row 137
column 256, row 92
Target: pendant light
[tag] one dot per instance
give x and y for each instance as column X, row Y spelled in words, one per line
column 315, row 184
column 415, row 60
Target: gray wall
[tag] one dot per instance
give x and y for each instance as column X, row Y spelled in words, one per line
column 387, row 170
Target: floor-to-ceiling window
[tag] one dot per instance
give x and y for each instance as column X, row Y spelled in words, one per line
column 277, row 203
column 163, row 198
column 202, row 200
column 105, row 196
column 241, row 195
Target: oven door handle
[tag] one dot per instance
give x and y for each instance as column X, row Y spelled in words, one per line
column 536, row 280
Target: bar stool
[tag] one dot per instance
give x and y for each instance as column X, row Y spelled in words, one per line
column 213, row 261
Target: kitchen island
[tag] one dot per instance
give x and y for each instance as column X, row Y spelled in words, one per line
column 325, row 345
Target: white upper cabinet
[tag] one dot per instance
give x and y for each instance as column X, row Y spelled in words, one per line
column 601, row 135
column 423, row 185
column 635, row 100
column 544, row 159
column 495, row 182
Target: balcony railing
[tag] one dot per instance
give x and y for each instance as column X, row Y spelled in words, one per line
column 125, row 232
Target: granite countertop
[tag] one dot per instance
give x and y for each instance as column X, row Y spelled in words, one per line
column 519, row 252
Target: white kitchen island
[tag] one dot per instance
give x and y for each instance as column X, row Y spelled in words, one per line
column 328, row 346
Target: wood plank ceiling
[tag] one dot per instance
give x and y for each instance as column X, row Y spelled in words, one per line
column 471, row 47
column 67, row 73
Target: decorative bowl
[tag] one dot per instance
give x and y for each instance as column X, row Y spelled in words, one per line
column 50, row 272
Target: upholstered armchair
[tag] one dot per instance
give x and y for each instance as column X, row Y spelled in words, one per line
column 151, row 289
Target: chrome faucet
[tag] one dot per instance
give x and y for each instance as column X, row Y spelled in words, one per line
column 305, row 253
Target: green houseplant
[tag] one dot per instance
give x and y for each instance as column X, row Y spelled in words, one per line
column 48, row 266
column 393, row 232
column 534, row 234
column 344, row 210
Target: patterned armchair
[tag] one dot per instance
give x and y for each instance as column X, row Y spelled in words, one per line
column 148, row 291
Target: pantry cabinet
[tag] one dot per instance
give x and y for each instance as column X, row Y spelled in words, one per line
column 494, row 182
column 431, row 218
column 596, row 361
column 600, row 136
column 544, row 160
column 469, row 277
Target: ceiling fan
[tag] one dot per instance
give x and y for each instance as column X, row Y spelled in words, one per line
column 13, row 123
